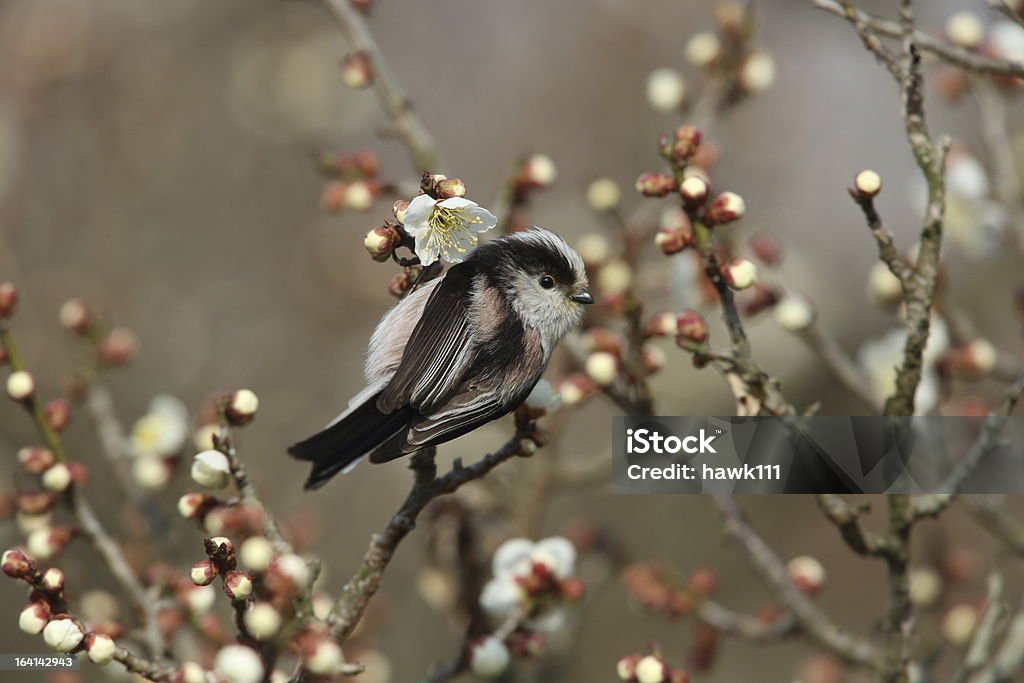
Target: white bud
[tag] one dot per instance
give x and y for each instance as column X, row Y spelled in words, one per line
column 594, row 248
column 101, row 649
column 982, row 354
column 741, row 273
column 603, row 194
column 189, row 504
column 150, row 472
column 200, row 599
column 74, row 315
column 868, row 183
column 20, row 385
column 964, row 29
column 666, row 89
column 615, row 278
column 256, row 553
column 807, row 572
column 203, row 437
column 703, row 48
column 489, row 657
column 602, row 367
column 758, row 72
column 293, row 567
column 925, row 586
column 33, row 618
column 63, row 635
column 883, row 286
column 57, row 478
column 53, row 580
column 959, row 624
column 358, row 196
column 541, row 169
column 262, row 621
column 324, row 658
column 238, row 585
column 244, row 402
column 794, row 313
column 694, row 189
column 650, row 669
column 192, row 673
column 40, row 543
column 239, row 664
column 211, row 469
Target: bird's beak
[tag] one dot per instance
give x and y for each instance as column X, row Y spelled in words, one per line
column 583, row 297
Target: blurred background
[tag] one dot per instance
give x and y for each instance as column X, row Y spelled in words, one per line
column 155, row 161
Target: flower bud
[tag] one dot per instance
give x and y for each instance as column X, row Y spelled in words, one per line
column 980, row 357
column 794, row 313
column 199, row 599
column 740, row 273
column 52, row 581
column 539, row 170
column 595, row 249
column 691, row 326
column 381, row 242
column 626, row 667
column 359, row 195
column 119, row 347
column 655, row 184
column 75, row 316
column 36, row 502
column 241, row 407
column 256, row 553
column 666, row 89
column 702, row 49
column 357, row 70
column 572, row 589
column 867, row 184
column 333, row 197
column 57, row 478
column 661, row 324
column 672, row 240
column 16, row 565
column 686, row 143
column 239, row 664
column 450, row 187
column 48, row 542
column 653, row 358
column 694, row 191
column 615, row 278
column 58, row 413
column 806, row 573
column 237, row 585
column 262, row 621
column 20, row 385
column 100, row 648
column 651, row 669
column 883, row 286
column 399, row 208
column 203, row 572
column 959, row 624
column 192, row 505
column 322, row 657
column 602, row 367
column 63, row 635
column 925, row 586
column 35, row 459
column 190, row 672
column 34, row 617
column 725, row 208
column 8, row 299
column 964, row 29
column 575, row 388
column 293, row 568
column 211, row 469
column 151, row 472
column 758, row 72
column 488, row 657
column 603, row 194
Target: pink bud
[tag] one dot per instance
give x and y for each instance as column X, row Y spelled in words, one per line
column 674, row 239
column 655, row 184
column 662, row 324
column 687, row 140
column 203, row 573
column 766, row 248
column 58, row 413
column 237, row 585
column 16, row 564
column 357, row 70
column 119, row 347
column 8, row 299
column 691, row 326
column 53, row 580
column 75, row 316
column 381, row 242
column 725, row 208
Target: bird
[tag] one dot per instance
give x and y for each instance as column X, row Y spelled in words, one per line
column 460, row 351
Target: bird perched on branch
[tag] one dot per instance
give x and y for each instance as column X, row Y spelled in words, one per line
column 462, row 350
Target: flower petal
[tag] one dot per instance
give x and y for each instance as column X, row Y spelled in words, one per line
column 425, row 248
column 512, row 557
column 485, row 220
column 562, row 551
column 501, row 596
column 418, row 214
column 457, row 203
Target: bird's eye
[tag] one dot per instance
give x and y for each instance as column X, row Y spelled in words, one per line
column 547, row 282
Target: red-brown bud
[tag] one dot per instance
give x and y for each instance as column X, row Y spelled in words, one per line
column 766, row 248
column 58, row 413
column 399, row 208
column 16, row 564
column 35, row 459
column 203, row 573
column 687, row 141
column 119, row 347
column 694, row 192
column 381, row 242
column 704, row 581
column 661, row 324
column 357, row 70
column 450, row 187
column 8, row 299
column 237, row 585
column 655, row 184
column 75, row 316
column 672, row 240
column 333, row 196
column 36, row 502
column 725, row 208
column 691, row 326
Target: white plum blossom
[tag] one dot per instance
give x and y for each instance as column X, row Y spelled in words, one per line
column 544, row 397
column 879, row 359
column 163, row 430
column 238, row 664
column 489, row 657
column 517, row 559
column 448, row 229
column 1006, row 39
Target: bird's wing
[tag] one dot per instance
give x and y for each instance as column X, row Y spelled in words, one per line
column 439, row 349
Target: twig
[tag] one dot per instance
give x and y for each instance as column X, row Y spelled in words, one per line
column 846, row 517
column 982, row 643
column 357, row 592
column 838, row 363
column 989, row 512
column 812, row 620
column 407, row 126
column 951, row 53
column 887, row 250
column 745, row 626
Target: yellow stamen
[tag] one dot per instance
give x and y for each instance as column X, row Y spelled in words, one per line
column 446, row 223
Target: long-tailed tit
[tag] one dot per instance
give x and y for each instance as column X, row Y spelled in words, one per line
column 462, row 350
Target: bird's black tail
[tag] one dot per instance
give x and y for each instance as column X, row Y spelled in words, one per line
column 359, row 432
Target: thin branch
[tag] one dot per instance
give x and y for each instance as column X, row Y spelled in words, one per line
column 357, row 592
column 887, row 250
column 846, row 517
column 838, row 363
column 989, row 512
column 746, row 626
column 953, row 54
column 407, row 125
column 983, row 642
column 812, row 620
